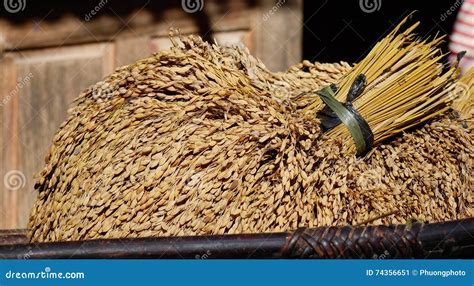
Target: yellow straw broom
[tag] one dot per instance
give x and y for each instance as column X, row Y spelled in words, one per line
column 404, row 84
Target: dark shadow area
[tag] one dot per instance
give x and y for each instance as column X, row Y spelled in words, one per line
column 55, row 9
column 333, row 30
column 341, row 30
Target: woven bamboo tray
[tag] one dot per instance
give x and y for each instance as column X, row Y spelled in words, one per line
column 453, row 239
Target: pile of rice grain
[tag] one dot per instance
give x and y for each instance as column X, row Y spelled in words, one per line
column 202, row 139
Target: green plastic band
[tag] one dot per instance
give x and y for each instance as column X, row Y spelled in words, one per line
column 346, row 117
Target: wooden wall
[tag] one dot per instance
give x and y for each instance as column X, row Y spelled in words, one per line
column 47, row 58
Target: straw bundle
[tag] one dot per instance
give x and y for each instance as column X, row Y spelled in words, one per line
column 202, row 139
column 405, row 85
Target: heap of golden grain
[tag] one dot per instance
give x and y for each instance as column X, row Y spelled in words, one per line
column 203, row 139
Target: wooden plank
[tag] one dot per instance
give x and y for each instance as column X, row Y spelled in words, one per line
column 52, row 79
column 9, row 151
column 129, row 50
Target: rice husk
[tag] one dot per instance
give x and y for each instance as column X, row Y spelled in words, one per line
column 203, row 139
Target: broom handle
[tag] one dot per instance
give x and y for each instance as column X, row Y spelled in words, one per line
column 453, row 239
